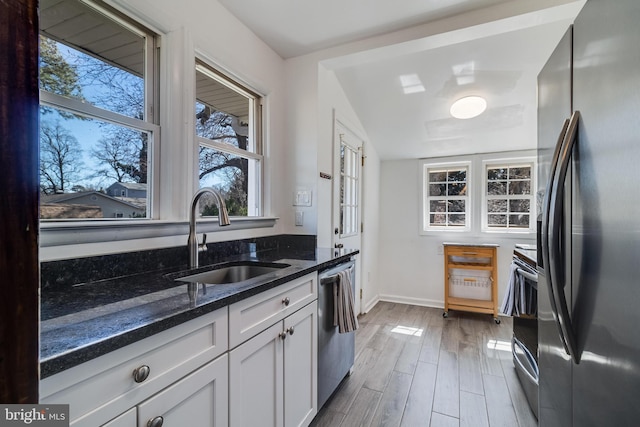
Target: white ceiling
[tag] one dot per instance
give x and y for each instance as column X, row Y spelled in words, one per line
column 498, row 59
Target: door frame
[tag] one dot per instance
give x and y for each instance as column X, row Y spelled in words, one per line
column 338, row 125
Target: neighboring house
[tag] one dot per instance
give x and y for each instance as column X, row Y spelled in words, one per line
column 127, row 189
column 92, row 204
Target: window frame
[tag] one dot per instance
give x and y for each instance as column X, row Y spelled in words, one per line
column 255, row 201
column 509, row 163
column 148, row 124
column 350, row 182
column 426, row 167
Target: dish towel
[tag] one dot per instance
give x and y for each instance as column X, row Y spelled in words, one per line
column 509, row 302
column 344, row 316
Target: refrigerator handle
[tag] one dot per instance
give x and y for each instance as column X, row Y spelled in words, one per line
column 545, row 229
column 556, row 229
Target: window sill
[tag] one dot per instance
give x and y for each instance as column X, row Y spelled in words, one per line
column 78, row 232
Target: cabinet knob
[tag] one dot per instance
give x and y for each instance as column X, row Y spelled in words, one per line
column 283, row 335
column 155, row 422
column 286, row 301
column 141, row 373
column 290, row 330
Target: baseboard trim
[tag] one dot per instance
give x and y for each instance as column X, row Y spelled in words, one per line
column 411, row 301
column 370, row 305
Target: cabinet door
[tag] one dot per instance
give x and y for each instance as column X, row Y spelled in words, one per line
column 301, row 366
column 198, row 400
column 256, row 380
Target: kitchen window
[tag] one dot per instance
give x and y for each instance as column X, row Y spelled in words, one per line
column 508, row 197
column 97, row 111
column 446, row 197
column 229, row 135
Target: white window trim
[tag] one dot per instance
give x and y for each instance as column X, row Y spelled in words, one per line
column 425, row 166
column 510, row 162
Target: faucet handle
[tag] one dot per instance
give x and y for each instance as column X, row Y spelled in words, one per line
column 203, row 246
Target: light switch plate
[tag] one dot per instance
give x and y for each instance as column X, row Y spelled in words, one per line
column 299, row 218
column 302, row 198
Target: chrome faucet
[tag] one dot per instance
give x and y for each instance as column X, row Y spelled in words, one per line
column 223, row 219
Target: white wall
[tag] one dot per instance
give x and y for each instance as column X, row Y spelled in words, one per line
column 314, row 100
column 411, row 266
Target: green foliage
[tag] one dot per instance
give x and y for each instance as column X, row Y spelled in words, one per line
column 57, row 75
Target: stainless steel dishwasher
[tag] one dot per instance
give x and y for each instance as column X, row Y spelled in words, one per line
column 336, row 352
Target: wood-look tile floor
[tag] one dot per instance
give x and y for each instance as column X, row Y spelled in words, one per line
column 415, row 368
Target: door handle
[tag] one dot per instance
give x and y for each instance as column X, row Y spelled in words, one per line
column 546, row 212
column 546, row 204
column 556, row 229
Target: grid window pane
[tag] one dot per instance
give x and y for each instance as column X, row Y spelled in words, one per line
column 519, row 205
column 437, row 206
column 520, row 187
column 437, row 190
column 520, row 173
column 438, row 219
column 457, row 220
column 437, row 177
column 349, row 185
column 457, row 175
column 446, row 197
column 497, row 173
column 497, row 188
column 497, row 220
column 497, row 205
column 508, row 196
column 457, row 206
column 519, row 221
column 456, row 189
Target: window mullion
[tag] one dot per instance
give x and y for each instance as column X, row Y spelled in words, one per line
column 91, row 111
column 229, row 149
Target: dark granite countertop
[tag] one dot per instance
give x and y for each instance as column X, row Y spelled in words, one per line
column 87, row 320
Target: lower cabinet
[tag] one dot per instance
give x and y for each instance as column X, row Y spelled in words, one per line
column 110, row 390
column 198, row 400
column 273, row 376
column 186, row 375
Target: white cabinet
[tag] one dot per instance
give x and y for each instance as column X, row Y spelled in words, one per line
column 198, row 400
column 256, row 380
column 301, row 366
column 102, row 389
column 273, row 376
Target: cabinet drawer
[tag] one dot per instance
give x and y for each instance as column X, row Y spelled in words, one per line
column 249, row 317
column 470, row 255
column 471, row 252
column 108, row 379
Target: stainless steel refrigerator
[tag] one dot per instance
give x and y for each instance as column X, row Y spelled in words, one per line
column 589, row 237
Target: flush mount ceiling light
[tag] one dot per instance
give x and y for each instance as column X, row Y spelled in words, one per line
column 468, row 107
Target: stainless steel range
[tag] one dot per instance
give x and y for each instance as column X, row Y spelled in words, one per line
column 524, row 344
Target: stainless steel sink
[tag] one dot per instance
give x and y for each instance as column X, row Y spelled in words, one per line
column 233, row 274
